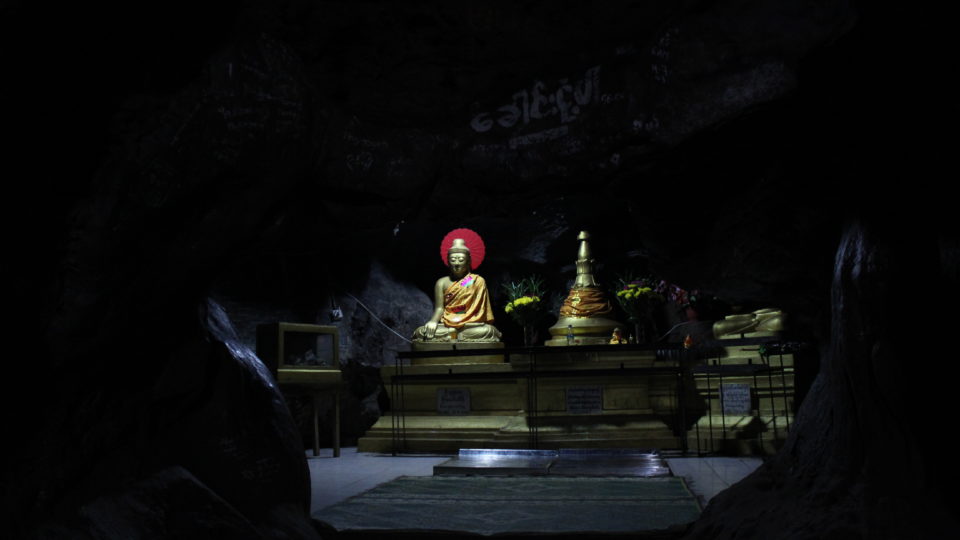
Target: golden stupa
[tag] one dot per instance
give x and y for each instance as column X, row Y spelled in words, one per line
column 583, row 316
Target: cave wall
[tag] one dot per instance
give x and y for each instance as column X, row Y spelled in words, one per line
column 198, row 171
column 865, row 457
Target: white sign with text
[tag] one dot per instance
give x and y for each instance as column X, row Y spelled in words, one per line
column 584, row 399
column 735, row 398
column 453, row 400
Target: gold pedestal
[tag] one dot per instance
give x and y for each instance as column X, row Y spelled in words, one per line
column 633, row 411
column 586, row 331
column 456, row 346
column 764, row 428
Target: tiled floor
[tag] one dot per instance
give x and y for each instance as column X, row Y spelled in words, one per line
column 516, row 506
column 335, row 479
column 708, row 476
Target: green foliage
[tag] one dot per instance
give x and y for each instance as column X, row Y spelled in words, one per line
column 526, row 299
column 637, row 296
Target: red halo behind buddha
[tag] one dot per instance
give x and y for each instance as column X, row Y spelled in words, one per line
column 471, row 239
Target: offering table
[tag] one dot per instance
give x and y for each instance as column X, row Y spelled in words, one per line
column 594, row 396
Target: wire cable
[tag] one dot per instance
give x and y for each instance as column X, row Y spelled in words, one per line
column 374, row 315
column 678, row 325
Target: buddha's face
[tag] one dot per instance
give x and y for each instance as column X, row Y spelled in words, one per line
column 459, row 264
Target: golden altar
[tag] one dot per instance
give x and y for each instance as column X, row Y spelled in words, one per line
column 592, row 396
column 529, row 397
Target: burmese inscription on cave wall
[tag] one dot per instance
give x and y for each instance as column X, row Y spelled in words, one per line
column 564, row 100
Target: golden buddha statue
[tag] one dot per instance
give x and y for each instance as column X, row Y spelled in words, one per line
column 462, row 310
column 617, row 337
column 762, row 322
column 586, row 306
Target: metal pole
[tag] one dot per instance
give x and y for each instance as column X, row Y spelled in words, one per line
column 402, row 411
column 723, row 411
column 394, row 421
column 710, row 411
column 316, row 423
column 681, row 405
column 536, row 403
column 757, row 390
column 336, row 421
column 773, row 408
column 783, row 381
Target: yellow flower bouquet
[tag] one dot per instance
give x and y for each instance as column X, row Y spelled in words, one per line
column 638, row 298
column 525, row 305
column 525, row 300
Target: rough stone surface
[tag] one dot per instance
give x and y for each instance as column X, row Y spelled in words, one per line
column 249, row 451
column 861, row 461
column 366, row 344
column 398, row 306
column 215, row 416
column 169, row 504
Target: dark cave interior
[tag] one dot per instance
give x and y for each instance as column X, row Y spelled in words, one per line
column 283, row 157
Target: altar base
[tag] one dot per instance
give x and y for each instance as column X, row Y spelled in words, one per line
column 453, row 347
column 748, row 400
column 586, row 331
column 629, row 404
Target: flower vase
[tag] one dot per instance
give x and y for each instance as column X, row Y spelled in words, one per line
column 529, row 335
column 641, row 329
column 638, row 332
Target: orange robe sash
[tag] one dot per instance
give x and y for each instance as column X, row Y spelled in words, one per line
column 586, row 302
column 466, row 301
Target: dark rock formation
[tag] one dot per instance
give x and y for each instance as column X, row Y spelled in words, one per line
column 171, row 503
column 864, row 458
column 398, row 306
column 209, row 425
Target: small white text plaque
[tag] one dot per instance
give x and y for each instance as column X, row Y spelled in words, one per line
column 453, row 400
column 584, row 399
column 735, row 398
